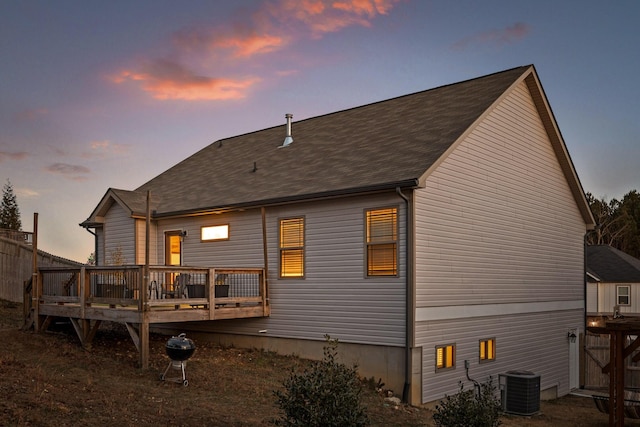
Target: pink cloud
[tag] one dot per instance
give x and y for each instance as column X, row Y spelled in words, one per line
column 273, row 26
column 238, row 42
column 169, row 80
column 503, row 36
column 16, row 155
column 252, row 45
column 327, row 16
column 105, row 148
column 72, row 172
column 31, row 114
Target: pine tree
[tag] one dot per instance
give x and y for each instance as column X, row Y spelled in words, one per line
column 9, row 211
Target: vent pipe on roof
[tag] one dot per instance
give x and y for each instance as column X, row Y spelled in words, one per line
column 288, row 138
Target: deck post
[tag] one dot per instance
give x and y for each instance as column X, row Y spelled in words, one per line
column 35, row 288
column 83, row 292
column 144, row 341
column 212, row 293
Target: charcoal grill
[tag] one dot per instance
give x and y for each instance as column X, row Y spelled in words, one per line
column 179, row 349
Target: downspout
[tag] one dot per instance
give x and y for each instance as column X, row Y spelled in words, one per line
column 408, row 297
column 95, row 245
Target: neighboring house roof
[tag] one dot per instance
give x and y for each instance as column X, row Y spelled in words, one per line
column 384, row 145
column 608, row 264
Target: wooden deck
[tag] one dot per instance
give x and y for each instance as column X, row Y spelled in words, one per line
column 139, row 298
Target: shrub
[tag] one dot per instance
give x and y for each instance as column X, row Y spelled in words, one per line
column 469, row 409
column 325, row 394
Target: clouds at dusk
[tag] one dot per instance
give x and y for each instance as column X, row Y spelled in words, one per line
column 31, row 114
column 169, row 80
column 15, row 155
column 499, row 37
column 206, row 63
column 104, row 149
column 72, row 172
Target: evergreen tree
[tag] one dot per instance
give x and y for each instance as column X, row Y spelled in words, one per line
column 9, row 211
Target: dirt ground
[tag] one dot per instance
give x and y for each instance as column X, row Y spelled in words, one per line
column 47, row 379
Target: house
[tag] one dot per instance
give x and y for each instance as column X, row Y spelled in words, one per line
column 613, row 283
column 438, row 235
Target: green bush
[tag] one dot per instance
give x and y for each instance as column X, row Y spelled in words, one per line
column 470, row 409
column 325, row 394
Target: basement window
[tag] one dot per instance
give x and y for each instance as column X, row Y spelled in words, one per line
column 487, row 349
column 382, row 242
column 214, row 232
column 291, row 246
column 445, row 357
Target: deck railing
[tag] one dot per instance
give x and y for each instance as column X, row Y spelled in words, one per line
column 166, row 285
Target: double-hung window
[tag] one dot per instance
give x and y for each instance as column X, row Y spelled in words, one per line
column 292, row 247
column 623, row 295
column 382, row 242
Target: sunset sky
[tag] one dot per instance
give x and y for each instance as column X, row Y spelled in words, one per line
column 110, row 94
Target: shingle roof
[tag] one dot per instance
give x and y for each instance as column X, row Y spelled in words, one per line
column 379, row 145
column 609, row 264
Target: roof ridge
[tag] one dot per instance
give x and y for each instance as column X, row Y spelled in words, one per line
column 372, row 103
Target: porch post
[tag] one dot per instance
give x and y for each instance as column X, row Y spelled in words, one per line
column 35, row 288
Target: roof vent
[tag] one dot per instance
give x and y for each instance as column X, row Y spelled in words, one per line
column 288, row 138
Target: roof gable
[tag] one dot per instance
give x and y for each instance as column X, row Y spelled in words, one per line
column 133, row 202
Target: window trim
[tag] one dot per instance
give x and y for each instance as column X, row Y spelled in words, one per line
column 395, row 242
column 628, row 295
column 453, row 357
column 493, row 352
column 303, row 247
column 215, row 240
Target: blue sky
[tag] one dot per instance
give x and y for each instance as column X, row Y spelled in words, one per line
column 109, row 94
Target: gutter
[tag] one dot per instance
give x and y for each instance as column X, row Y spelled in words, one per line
column 408, row 296
column 409, row 183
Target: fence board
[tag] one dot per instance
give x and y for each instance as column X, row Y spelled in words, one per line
column 596, row 350
column 16, row 267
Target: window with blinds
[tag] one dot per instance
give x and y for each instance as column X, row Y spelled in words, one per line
column 292, row 247
column 382, row 242
column 445, row 356
column 487, row 349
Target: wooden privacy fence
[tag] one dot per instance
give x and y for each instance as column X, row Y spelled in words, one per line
column 596, row 356
column 16, row 266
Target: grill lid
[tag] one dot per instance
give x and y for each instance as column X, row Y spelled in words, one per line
column 180, row 347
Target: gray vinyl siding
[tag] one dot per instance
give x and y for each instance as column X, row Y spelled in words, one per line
column 101, row 257
column 141, row 226
column 519, row 347
column 334, row 297
column 498, row 215
column 119, row 229
column 497, row 224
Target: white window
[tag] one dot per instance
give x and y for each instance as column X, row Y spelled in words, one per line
column 623, row 295
column 214, row 232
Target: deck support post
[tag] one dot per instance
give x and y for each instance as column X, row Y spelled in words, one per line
column 144, row 341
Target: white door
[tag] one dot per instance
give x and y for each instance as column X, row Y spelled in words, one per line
column 574, row 358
